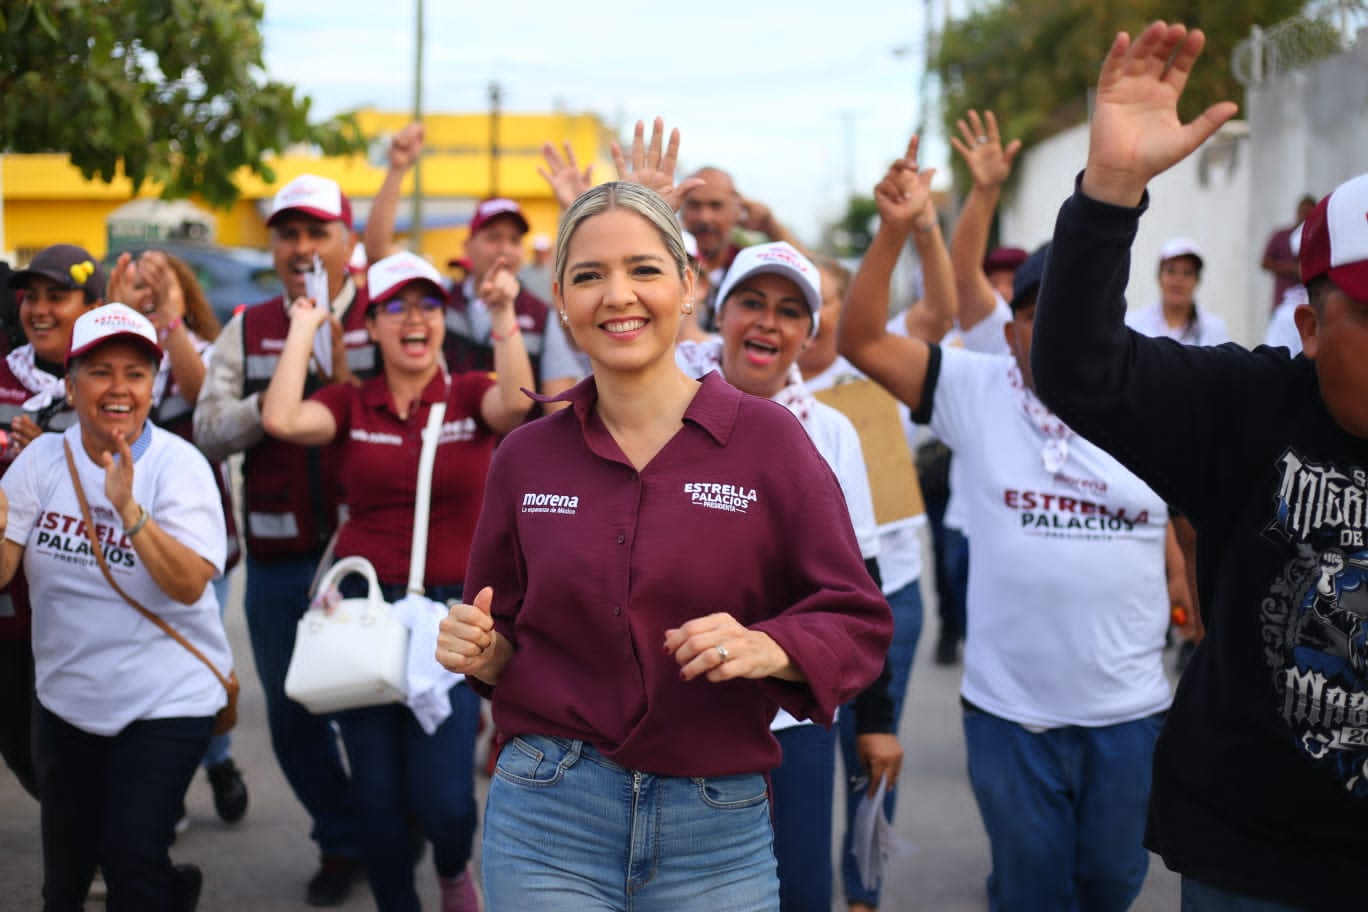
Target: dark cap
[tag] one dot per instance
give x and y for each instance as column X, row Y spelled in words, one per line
column 1027, row 278
column 1000, row 258
column 67, row 265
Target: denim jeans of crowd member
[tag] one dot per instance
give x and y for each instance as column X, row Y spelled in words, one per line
column 803, row 788
column 114, row 802
column 220, row 746
column 1064, row 810
column 907, row 627
column 305, row 745
column 950, row 553
column 398, row 771
column 1203, row 897
column 623, row 839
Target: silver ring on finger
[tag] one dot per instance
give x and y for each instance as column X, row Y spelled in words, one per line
column 982, row 140
column 723, row 653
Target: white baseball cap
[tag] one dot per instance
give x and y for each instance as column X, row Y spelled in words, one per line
column 312, row 195
column 387, row 277
column 777, row 258
column 1181, row 247
column 1335, row 239
column 109, row 322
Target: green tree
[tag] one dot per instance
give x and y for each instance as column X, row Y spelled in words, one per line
column 1033, row 62
column 172, row 91
column 850, row 236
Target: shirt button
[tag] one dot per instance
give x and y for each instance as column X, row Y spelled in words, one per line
column 621, row 539
column 617, row 610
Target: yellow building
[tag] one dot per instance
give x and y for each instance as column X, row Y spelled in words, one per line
column 46, row 201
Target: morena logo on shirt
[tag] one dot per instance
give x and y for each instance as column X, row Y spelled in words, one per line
column 726, row 497
column 563, row 504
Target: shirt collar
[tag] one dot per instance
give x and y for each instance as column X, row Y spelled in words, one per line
column 714, row 408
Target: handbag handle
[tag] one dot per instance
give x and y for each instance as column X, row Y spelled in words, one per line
column 423, row 501
column 104, row 568
column 347, row 565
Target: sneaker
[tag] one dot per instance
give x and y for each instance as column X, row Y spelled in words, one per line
column 191, row 881
column 459, row 893
column 230, row 792
column 333, row 881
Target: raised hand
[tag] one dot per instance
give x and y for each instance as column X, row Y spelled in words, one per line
column 122, row 286
column 563, row 174
column 652, row 167
column 905, row 192
column 719, row 648
column 165, row 287
column 1136, row 132
column 756, row 216
column 406, row 147
column 119, row 475
column 305, row 311
column 467, row 642
column 500, row 286
column 980, row 145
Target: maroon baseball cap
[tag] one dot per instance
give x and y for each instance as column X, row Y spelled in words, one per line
column 1334, row 239
column 497, row 207
column 1004, row 258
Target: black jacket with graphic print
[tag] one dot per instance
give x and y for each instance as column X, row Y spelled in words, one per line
column 1261, row 772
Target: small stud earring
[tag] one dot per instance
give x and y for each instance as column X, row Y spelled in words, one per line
column 688, row 308
column 565, row 320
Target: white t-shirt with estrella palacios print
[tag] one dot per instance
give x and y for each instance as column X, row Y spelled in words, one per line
column 1068, row 599
column 98, row 663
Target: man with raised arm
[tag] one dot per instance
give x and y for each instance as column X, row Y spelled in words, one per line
column 1063, row 686
column 1260, row 792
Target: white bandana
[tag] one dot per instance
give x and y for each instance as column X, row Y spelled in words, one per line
column 45, row 387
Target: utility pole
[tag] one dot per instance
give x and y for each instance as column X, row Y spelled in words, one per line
column 848, row 119
column 495, row 99
column 416, row 226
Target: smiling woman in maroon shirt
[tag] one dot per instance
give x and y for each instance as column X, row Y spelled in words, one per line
column 682, row 565
column 397, row 766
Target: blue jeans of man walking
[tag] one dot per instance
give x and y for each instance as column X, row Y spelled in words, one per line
column 906, row 604
column 568, row 830
column 305, row 745
column 1064, row 810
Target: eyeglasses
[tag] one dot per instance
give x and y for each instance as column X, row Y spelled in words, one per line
column 397, row 307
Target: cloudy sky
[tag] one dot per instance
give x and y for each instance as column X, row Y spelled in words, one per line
column 799, row 101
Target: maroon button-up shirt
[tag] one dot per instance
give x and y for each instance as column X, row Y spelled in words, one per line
column 591, row 562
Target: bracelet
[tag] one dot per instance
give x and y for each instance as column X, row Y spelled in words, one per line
column 143, row 517
column 504, row 338
column 170, row 328
column 927, row 228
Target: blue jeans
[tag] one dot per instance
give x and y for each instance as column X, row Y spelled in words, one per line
column 801, row 789
column 1202, row 897
column 305, row 745
column 907, row 627
column 397, row 769
column 113, row 801
column 220, row 746
column 1064, row 810
column 950, row 550
column 567, row 830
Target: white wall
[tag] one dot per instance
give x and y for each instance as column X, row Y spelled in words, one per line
column 1205, row 197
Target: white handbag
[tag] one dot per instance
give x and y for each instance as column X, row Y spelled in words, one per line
column 354, row 653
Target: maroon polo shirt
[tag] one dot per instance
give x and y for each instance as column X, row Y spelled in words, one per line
column 379, row 472
column 591, row 562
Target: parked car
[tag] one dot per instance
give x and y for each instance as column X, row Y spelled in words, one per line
column 232, row 277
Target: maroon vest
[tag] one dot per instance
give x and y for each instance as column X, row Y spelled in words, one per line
column 291, row 493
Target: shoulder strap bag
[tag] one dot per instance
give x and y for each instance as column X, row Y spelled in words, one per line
column 227, row 716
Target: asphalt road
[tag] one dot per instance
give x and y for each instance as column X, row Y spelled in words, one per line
column 262, row 863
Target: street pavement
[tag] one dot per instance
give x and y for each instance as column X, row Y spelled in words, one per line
column 262, row 863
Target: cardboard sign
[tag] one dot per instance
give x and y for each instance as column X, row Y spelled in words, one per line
column 892, row 473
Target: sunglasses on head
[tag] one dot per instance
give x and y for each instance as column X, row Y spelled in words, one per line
column 396, row 307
